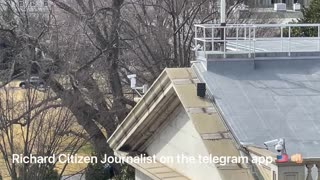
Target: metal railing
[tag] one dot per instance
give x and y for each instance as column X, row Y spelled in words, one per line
column 253, row 38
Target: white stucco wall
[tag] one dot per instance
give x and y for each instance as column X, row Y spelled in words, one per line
column 177, row 137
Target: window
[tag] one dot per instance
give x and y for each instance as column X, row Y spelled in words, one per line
column 21, row 2
column 45, row 2
column 278, row 1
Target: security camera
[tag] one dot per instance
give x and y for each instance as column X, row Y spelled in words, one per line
column 133, row 80
column 133, row 84
column 278, row 147
column 279, row 144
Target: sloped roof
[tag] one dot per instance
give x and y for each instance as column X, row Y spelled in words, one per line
column 269, row 99
column 173, row 87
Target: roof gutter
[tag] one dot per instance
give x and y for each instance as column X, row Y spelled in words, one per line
column 129, row 123
column 211, row 97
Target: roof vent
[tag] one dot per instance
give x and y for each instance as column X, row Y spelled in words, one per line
column 280, row 7
column 201, row 89
column 296, row 6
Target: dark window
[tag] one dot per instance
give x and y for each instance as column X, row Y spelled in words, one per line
column 275, row 1
column 45, row 2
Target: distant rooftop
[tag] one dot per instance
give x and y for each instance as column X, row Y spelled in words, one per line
column 269, row 15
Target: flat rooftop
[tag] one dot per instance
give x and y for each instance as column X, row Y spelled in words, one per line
column 265, row 79
column 278, row 98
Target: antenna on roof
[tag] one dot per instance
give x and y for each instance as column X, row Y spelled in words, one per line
column 133, row 85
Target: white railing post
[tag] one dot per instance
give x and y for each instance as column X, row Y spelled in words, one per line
column 254, row 42
column 237, row 37
column 281, row 38
column 245, row 32
column 319, row 37
column 224, row 42
column 289, row 39
column 318, row 167
column 212, row 29
column 249, row 42
column 204, row 40
column 309, row 169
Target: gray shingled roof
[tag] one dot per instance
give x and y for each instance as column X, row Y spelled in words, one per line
column 277, row 98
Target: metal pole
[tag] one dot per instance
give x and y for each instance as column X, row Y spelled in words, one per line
column 289, row 41
column 245, row 33
column 212, row 34
column 237, row 37
column 205, row 42
column 224, row 43
column 223, row 12
column 254, row 42
column 249, row 42
column 319, row 40
column 281, row 38
column 223, row 24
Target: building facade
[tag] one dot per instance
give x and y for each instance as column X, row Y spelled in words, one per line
column 31, row 6
column 270, row 3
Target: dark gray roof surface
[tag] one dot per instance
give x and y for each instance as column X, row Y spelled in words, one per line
column 277, row 98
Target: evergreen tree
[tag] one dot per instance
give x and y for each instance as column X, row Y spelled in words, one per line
column 310, row 15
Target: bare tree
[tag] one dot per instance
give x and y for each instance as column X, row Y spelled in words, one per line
column 82, row 95
column 84, row 49
column 35, row 123
column 159, row 34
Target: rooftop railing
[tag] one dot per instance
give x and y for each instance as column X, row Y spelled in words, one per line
column 250, row 40
column 313, row 169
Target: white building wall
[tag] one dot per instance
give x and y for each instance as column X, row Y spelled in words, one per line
column 178, row 137
column 140, row 176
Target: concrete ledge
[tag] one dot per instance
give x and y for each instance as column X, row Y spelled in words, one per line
column 219, row 56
